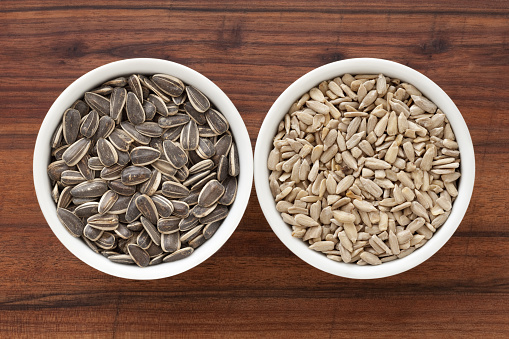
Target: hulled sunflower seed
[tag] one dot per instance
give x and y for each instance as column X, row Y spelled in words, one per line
column 170, row 242
column 371, row 171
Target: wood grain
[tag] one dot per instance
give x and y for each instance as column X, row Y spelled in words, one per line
column 254, row 287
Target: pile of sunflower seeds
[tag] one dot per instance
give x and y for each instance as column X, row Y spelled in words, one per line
column 144, row 169
column 364, row 169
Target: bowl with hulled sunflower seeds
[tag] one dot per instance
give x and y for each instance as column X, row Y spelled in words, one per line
column 143, row 168
column 364, row 168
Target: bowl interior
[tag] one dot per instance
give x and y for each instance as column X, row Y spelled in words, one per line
column 363, row 66
column 93, row 79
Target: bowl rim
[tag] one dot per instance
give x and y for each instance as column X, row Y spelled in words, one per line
column 363, row 66
column 93, row 79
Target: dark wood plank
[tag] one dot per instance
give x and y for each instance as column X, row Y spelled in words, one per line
column 254, row 287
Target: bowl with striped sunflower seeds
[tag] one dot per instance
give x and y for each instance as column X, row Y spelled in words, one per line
column 143, row 168
column 364, row 168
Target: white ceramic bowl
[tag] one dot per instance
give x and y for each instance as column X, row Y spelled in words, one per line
column 363, row 66
column 93, row 79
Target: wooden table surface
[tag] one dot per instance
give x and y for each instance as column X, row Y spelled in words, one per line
column 254, row 286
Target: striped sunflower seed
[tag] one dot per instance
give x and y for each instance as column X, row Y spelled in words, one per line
column 106, row 241
column 150, row 110
column 210, row 229
column 151, row 230
column 135, row 85
column 71, row 125
column 134, row 109
column 149, row 129
column 135, row 157
column 76, row 151
column 216, row 121
column 199, row 101
column 106, row 152
column 132, row 132
column 89, row 189
column 205, row 149
column 91, row 233
column 179, row 254
column 139, row 255
column 104, row 222
column 164, row 206
column 189, row 137
column 147, row 208
column 143, row 155
column 174, row 190
column 211, row 193
column 170, row 242
column 117, row 102
column 98, row 103
column 174, row 154
column 219, row 213
column 107, row 201
column 168, row 84
column 134, row 175
column 71, row 222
